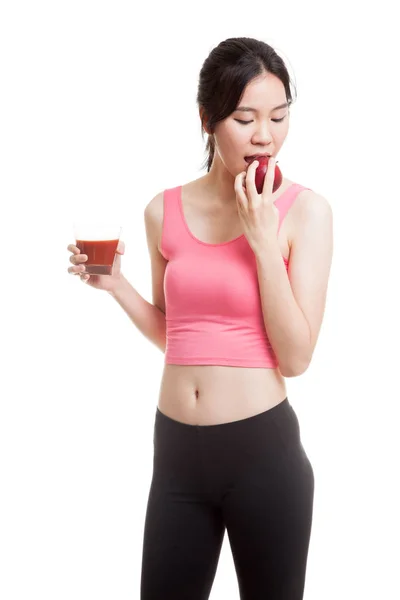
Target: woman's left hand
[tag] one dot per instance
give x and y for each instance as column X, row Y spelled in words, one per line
column 258, row 213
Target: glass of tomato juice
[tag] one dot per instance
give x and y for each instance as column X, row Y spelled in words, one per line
column 99, row 242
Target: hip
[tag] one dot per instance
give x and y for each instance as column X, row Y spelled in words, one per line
column 247, row 454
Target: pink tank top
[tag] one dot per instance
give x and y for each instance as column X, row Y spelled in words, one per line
column 212, row 300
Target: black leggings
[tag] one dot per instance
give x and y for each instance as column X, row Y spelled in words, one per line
column 251, row 477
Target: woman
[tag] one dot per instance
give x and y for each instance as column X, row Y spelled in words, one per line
column 239, row 283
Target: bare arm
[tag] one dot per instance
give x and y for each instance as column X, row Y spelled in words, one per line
column 293, row 307
column 148, row 318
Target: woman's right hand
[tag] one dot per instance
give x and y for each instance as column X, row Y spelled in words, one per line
column 101, row 282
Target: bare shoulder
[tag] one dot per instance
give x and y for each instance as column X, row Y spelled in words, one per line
column 154, row 213
column 155, row 208
column 310, row 210
column 153, row 216
column 309, row 201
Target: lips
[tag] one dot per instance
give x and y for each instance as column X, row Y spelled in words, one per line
column 250, row 159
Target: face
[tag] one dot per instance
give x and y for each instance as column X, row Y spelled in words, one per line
column 250, row 132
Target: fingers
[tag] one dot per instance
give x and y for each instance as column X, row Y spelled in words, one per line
column 269, row 178
column 251, row 178
column 246, row 181
column 77, row 269
column 77, row 259
column 240, row 193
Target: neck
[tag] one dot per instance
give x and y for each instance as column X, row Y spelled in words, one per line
column 220, row 183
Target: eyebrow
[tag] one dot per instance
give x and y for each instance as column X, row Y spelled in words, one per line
column 248, row 109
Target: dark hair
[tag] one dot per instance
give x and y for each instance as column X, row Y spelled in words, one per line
column 224, row 75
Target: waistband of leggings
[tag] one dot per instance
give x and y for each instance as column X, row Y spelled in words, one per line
column 283, row 407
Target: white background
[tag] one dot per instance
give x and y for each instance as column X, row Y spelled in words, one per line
column 98, row 114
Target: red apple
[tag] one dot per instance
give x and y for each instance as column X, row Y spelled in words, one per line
column 261, row 172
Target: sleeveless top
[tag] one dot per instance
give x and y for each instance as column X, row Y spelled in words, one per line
column 212, row 301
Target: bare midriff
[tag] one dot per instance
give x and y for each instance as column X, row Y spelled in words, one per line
column 212, row 394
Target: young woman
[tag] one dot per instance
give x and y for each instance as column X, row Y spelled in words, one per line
column 239, row 283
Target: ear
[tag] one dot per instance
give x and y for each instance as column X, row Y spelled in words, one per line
column 204, row 120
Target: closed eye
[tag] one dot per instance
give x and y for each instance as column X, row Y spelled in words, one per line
column 247, row 122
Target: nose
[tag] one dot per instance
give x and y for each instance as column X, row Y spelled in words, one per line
column 262, row 135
